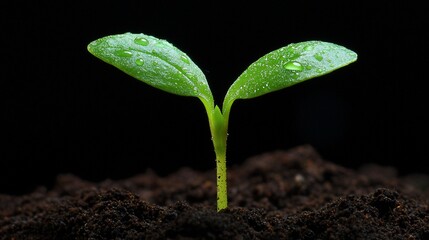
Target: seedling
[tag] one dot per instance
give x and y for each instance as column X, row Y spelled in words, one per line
column 163, row 66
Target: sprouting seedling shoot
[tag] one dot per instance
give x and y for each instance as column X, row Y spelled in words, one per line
column 158, row 63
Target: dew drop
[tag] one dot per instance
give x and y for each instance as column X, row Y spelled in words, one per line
column 308, row 47
column 185, row 59
column 294, row 75
column 318, row 57
column 295, row 66
column 290, row 51
column 139, row 62
column 141, row 41
column 124, row 53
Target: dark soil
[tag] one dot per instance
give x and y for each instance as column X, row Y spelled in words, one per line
column 278, row 195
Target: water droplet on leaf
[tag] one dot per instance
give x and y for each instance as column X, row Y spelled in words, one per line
column 308, row 47
column 139, row 62
column 318, row 57
column 141, row 41
column 294, row 75
column 295, row 66
column 124, row 53
column 185, row 59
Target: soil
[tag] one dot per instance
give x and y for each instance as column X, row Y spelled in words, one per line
column 291, row 194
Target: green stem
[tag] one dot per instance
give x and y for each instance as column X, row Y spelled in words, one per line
column 218, row 128
column 222, row 194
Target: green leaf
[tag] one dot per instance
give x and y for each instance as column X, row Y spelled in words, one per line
column 155, row 62
column 288, row 66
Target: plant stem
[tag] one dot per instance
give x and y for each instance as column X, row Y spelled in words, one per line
column 222, row 195
column 218, row 127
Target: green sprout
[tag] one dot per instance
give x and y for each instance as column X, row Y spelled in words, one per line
column 158, row 63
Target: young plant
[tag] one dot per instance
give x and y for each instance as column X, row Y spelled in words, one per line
column 158, row 63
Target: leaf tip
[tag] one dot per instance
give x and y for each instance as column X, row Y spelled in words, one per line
column 91, row 47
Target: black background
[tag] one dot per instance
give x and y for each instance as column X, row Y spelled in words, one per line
column 64, row 111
